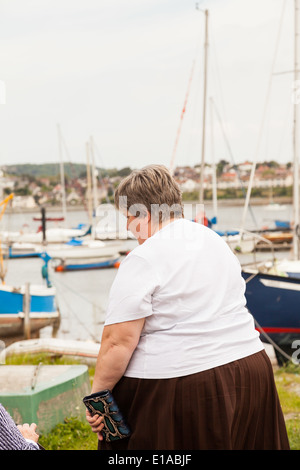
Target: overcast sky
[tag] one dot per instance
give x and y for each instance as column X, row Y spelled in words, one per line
column 119, row 70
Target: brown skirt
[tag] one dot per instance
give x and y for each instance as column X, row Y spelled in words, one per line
column 232, row 407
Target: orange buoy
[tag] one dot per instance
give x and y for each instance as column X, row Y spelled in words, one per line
column 59, row 268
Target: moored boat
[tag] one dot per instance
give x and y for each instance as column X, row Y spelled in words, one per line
column 274, row 302
column 15, row 322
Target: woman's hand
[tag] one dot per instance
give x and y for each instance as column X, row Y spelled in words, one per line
column 28, row 432
column 96, row 423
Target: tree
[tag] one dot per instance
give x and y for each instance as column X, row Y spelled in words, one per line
column 220, row 166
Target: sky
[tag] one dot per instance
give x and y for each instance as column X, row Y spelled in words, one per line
column 119, row 71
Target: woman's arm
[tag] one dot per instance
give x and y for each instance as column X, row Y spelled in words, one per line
column 117, row 345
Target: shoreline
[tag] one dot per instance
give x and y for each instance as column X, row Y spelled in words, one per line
column 255, row 201
column 260, row 201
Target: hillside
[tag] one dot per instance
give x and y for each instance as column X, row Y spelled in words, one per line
column 71, row 170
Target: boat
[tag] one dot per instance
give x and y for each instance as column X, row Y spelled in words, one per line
column 50, row 219
column 44, row 394
column 86, row 263
column 279, row 237
column 53, row 235
column 274, row 300
column 21, row 250
column 85, row 254
column 17, row 323
column 238, row 242
column 283, row 224
column 74, row 255
column 57, row 346
column 275, row 207
column 25, row 309
column 273, row 294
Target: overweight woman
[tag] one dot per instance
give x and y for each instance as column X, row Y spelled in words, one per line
column 179, row 349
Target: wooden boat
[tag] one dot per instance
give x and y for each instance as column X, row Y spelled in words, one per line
column 50, row 219
column 279, row 237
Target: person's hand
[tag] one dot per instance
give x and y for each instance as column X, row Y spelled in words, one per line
column 28, row 432
column 96, row 423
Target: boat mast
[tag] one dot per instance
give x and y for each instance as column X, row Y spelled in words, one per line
column 89, row 184
column 201, row 194
column 214, row 175
column 62, row 176
column 296, row 134
column 94, row 178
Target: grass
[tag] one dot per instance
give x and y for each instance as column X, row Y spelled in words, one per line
column 74, row 434
column 288, row 386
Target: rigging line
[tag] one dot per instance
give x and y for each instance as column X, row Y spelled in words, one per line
column 182, row 116
column 99, row 153
column 184, row 106
column 263, row 117
column 231, row 155
column 76, row 292
column 76, row 316
column 68, row 155
column 218, row 75
column 275, row 346
column 100, row 176
column 287, row 120
column 194, row 112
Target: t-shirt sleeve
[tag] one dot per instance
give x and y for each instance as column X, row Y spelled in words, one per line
column 131, row 292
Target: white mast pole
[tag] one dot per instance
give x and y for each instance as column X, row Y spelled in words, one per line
column 62, row 177
column 296, row 135
column 214, row 176
column 94, row 177
column 201, row 195
column 89, row 184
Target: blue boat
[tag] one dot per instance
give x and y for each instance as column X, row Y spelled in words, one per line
column 283, row 224
column 86, row 264
column 25, row 310
column 274, row 302
column 26, row 253
column 273, row 295
column 43, row 311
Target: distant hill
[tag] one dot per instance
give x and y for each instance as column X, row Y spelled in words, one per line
column 71, row 170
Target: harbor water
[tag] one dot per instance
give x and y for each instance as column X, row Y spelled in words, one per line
column 83, row 295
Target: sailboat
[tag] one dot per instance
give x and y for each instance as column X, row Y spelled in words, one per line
column 30, row 243
column 25, row 309
column 88, row 252
column 69, row 248
column 273, row 288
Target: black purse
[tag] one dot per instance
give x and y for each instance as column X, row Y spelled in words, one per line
column 104, row 404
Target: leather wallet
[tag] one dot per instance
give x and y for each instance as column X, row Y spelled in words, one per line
column 104, row 404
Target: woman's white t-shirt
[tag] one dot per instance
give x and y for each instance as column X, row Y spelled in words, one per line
column 187, row 284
